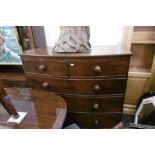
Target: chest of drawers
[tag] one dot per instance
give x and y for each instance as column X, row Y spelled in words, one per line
column 93, row 84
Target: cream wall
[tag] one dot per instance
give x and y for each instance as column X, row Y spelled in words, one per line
column 99, row 35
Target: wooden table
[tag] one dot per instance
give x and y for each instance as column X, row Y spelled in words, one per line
column 44, row 109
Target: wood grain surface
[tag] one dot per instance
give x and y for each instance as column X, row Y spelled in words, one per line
column 44, row 109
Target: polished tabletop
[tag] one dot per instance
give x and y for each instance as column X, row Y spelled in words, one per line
column 44, row 109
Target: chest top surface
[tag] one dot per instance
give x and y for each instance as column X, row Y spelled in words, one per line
column 96, row 51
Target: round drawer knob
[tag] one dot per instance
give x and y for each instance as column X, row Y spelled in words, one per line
column 97, row 69
column 42, row 67
column 96, row 106
column 97, row 88
column 45, row 84
column 96, row 122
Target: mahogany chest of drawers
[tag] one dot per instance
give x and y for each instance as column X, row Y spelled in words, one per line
column 93, row 84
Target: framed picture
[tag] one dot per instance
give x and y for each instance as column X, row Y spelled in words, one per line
column 9, row 46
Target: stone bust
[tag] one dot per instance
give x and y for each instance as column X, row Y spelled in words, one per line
column 73, row 39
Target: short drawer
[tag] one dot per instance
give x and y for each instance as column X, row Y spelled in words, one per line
column 45, row 66
column 76, row 86
column 99, row 67
column 94, row 104
column 93, row 121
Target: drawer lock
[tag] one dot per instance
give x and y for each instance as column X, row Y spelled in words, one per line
column 45, row 84
column 42, row 67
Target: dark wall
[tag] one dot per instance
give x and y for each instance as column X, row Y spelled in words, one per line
column 39, row 36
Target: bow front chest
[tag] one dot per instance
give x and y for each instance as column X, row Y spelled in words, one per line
column 92, row 84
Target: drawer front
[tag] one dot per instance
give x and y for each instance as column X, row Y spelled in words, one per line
column 76, row 86
column 45, row 67
column 108, row 66
column 92, row 121
column 94, row 104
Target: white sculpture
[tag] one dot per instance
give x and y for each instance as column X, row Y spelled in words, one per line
column 73, row 39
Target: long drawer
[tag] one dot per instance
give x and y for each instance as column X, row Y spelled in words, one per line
column 77, row 86
column 91, row 120
column 98, row 67
column 82, row 103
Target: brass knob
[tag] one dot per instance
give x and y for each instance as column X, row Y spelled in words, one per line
column 96, row 122
column 97, row 88
column 45, row 84
column 97, row 69
column 96, row 106
column 42, row 67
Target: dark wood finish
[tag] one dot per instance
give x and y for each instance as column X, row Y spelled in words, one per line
column 12, row 76
column 86, row 103
column 26, row 37
column 98, row 68
column 94, row 120
column 39, row 36
column 30, row 36
column 45, row 66
column 5, row 101
column 84, row 86
column 15, row 82
column 96, row 51
column 45, row 109
column 93, row 84
column 12, row 72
